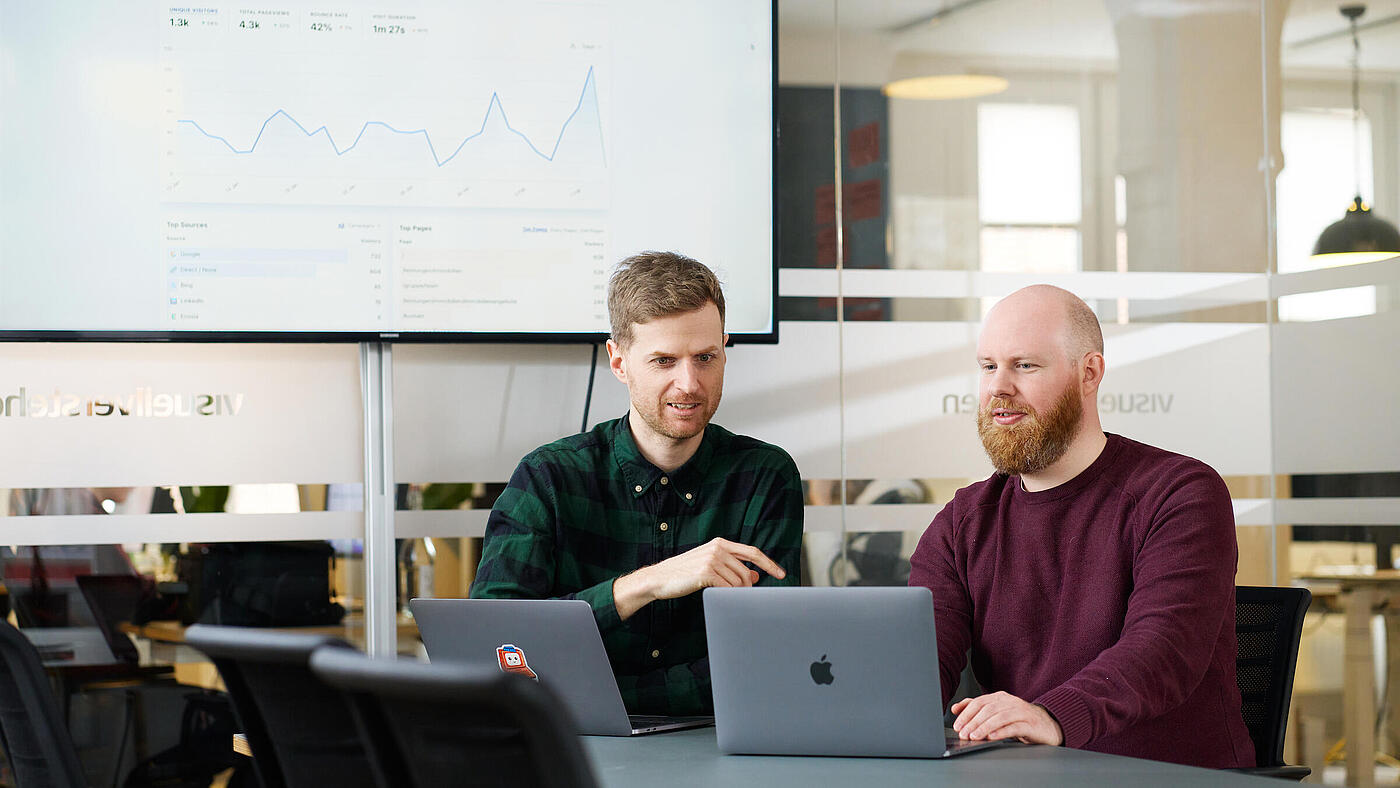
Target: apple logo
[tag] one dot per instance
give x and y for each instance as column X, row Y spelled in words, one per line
column 821, row 671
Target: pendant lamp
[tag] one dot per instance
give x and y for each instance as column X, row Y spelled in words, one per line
column 923, row 77
column 1360, row 236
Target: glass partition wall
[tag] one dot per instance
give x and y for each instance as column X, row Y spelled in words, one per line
column 1168, row 164
column 1173, row 165
column 1337, row 511
column 153, row 486
column 986, row 146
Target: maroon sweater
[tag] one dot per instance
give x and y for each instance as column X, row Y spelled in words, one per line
column 1109, row 600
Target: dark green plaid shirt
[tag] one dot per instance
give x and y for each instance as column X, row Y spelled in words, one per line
column 582, row 511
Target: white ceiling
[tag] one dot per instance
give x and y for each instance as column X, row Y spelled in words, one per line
column 1082, row 29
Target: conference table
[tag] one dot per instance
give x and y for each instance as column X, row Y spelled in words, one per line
column 690, row 759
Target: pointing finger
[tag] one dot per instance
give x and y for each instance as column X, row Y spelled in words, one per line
column 755, row 556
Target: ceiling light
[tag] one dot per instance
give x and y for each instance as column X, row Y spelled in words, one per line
column 946, row 86
column 1359, row 237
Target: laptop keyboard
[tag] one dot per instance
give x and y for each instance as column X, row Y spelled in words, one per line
column 955, row 744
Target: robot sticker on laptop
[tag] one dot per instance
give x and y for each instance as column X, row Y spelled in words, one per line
column 512, row 660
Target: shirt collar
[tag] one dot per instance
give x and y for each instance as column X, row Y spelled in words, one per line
column 640, row 475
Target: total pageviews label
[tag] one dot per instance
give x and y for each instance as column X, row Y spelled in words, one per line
column 141, row 403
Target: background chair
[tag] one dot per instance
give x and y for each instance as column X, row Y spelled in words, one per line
column 435, row 725
column 301, row 732
column 32, row 733
column 1268, row 625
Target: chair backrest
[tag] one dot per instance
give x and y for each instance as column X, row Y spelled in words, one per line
column 460, row 725
column 300, row 731
column 1268, row 625
column 32, row 732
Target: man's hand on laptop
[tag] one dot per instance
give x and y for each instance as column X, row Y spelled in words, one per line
column 1001, row 715
column 718, row 562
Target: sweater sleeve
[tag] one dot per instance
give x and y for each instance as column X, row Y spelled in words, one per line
column 934, row 565
column 1183, row 589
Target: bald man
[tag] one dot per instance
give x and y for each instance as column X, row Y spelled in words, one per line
column 1091, row 577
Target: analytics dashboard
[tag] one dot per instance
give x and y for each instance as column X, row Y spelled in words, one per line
column 433, row 168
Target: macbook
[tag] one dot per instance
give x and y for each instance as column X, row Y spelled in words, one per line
column 113, row 600
column 70, row 646
column 827, row 671
column 553, row 641
column 110, row 598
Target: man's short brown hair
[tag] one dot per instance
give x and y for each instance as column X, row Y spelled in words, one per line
column 649, row 285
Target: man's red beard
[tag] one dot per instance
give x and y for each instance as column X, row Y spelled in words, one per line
column 1035, row 442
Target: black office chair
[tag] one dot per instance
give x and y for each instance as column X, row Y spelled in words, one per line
column 32, row 733
column 300, row 731
column 1268, row 626
column 435, row 725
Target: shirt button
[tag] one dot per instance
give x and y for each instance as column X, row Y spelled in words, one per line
column 664, row 480
column 688, row 496
column 655, row 653
column 664, row 526
column 638, row 488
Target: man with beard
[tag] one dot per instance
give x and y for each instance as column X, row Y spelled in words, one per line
column 639, row 513
column 1091, row 577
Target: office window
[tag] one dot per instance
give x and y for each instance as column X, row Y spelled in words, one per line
column 1029, row 187
column 1318, row 179
column 1031, row 250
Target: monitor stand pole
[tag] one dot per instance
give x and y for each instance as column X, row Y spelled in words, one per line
column 377, row 396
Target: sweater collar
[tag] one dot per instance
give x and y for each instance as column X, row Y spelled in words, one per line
column 1085, row 478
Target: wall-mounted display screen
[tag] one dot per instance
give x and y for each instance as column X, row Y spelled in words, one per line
column 438, row 170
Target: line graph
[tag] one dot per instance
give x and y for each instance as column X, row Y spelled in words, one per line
column 434, row 129
column 589, row 91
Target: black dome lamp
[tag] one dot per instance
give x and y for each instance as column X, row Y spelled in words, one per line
column 1360, row 236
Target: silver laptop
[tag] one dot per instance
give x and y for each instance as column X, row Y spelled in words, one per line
column 827, row 671
column 553, row 641
column 70, row 646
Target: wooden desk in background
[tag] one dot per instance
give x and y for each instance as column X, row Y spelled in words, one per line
column 198, row 672
column 351, row 629
column 1361, row 596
